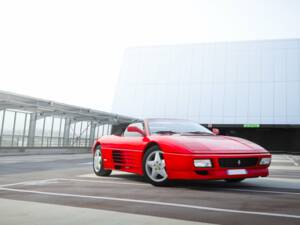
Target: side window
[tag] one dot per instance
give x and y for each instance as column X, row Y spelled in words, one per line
column 134, row 134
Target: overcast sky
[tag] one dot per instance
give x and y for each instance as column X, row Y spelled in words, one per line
column 71, row 51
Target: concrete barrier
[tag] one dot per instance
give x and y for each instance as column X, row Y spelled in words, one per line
column 40, row 151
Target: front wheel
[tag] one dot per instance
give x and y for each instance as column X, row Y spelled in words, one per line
column 98, row 163
column 154, row 167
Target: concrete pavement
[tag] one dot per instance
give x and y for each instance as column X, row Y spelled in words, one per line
column 46, row 183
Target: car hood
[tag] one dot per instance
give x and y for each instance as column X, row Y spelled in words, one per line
column 215, row 144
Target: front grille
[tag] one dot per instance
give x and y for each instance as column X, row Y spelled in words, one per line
column 237, row 162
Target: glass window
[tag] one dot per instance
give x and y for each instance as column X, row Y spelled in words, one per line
column 56, row 126
column 27, row 123
column 19, row 129
column 20, row 122
column 62, row 127
column 177, row 127
column 8, row 128
column 39, row 131
column 48, row 126
column 71, row 133
column 8, row 123
column 1, row 117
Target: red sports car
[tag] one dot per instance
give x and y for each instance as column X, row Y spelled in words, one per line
column 167, row 149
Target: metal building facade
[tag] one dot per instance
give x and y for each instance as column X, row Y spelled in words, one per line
column 252, row 82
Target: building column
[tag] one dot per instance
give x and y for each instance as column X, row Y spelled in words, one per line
column 31, row 130
column 2, row 126
column 66, row 141
column 92, row 133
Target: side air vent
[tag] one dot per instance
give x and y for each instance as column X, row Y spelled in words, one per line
column 117, row 157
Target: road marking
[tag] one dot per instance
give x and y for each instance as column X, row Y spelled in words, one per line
column 104, row 181
column 285, row 176
column 281, row 160
column 154, row 203
column 86, row 163
column 33, row 182
column 16, row 212
column 213, row 188
column 291, row 168
column 102, row 178
column 292, row 160
column 293, row 180
column 92, row 175
column 262, row 191
column 54, row 180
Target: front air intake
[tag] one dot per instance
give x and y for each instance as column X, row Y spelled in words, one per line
column 237, row 162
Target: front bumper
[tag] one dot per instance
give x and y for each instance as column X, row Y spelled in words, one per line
column 181, row 166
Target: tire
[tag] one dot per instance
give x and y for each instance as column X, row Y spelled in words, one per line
column 98, row 163
column 234, row 180
column 154, row 167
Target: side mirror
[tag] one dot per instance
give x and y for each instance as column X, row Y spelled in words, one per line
column 216, row 131
column 136, row 130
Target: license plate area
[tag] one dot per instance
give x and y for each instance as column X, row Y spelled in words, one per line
column 237, row 172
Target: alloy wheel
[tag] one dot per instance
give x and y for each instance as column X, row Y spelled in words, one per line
column 156, row 167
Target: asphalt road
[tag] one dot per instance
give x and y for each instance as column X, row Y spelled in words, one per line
column 61, row 189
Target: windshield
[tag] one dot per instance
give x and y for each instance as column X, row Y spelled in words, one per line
column 176, row 127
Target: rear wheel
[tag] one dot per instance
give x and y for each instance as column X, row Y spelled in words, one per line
column 154, row 167
column 98, row 163
column 234, row 180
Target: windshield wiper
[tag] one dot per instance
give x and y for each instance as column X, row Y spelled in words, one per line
column 165, row 132
column 196, row 133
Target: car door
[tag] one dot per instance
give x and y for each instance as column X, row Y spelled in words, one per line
column 129, row 154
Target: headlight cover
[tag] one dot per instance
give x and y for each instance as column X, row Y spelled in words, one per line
column 265, row 161
column 202, row 163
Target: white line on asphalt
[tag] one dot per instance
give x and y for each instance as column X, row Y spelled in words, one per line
column 285, row 168
column 285, row 176
column 104, row 181
column 103, row 178
column 213, row 188
column 92, row 175
column 45, row 182
column 286, row 179
column 144, row 184
column 292, row 180
column 262, row 191
column 28, row 182
column 154, row 203
column 86, row 163
column 16, row 212
column 292, row 160
column 281, row 160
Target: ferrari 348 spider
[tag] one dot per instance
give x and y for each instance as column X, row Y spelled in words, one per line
column 169, row 149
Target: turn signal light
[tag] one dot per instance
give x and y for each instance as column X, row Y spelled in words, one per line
column 265, row 161
column 202, row 163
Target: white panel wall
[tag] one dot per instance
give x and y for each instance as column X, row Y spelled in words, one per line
column 220, row 83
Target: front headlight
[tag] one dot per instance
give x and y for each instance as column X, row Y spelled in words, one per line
column 203, row 163
column 265, row 161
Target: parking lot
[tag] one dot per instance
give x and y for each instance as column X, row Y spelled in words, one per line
column 62, row 189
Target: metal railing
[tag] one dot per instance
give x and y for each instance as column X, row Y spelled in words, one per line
column 39, row 141
column 23, row 129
